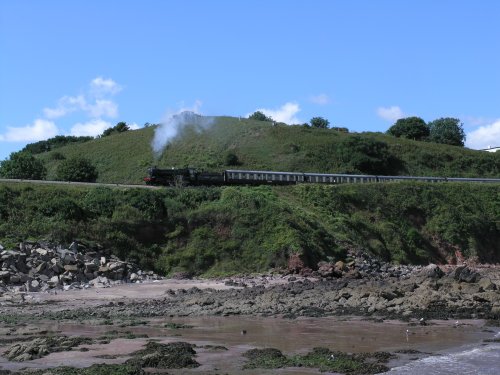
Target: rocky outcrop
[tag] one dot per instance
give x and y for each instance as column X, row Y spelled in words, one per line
column 40, row 266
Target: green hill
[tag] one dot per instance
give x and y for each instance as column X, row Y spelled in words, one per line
column 224, row 230
column 124, row 157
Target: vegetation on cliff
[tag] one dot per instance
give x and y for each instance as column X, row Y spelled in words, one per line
column 249, row 229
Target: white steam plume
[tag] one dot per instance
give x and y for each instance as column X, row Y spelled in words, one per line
column 174, row 125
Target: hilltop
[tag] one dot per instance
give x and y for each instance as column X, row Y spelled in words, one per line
column 260, row 145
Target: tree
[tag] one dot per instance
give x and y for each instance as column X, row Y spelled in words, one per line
column 76, row 169
column 319, row 122
column 411, row 128
column 118, row 128
column 448, row 131
column 22, row 165
column 259, row 116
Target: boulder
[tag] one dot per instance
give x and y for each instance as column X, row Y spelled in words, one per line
column 486, row 284
column 432, row 271
column 465, row 274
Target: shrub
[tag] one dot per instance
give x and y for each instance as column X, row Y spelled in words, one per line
column 319, row 122
column 76, row 169
column 231, row 159
column 410, row 127
column 22, row 165
column 366, row 155
column 259, row 116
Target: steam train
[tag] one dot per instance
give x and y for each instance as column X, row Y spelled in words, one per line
column 194, row 177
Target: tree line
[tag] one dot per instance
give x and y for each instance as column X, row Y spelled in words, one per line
column 445, row 130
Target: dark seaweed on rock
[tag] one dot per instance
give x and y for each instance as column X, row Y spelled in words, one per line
column 164, row 356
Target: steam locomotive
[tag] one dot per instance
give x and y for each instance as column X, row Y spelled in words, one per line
column 194, row 177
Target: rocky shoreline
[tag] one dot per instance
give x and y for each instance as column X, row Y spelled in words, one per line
column 43, row 283
column 364, row 286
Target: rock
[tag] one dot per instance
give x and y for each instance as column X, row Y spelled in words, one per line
column 71, row 268
column 133, row 277
column 465, row 274
column 432, row 271
column 484, row 283
column 340, row 265
column 54, row 281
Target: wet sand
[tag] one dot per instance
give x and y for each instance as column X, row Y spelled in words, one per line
column 215, row 311
column 290, row 336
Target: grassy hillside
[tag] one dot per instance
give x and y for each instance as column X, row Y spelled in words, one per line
column 124, row 157
column 226, row 230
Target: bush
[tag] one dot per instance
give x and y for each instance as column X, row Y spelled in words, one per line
column 76, row 169
column 231, row 159
column 366, row 155
column 22, row 165
column 411, row 128
column 259, row 116
column 319, row 122
column 118, row 128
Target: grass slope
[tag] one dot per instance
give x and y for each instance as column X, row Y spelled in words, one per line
column 124, row 157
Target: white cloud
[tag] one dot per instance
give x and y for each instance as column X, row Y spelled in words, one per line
column 91, row 128
column 485, row 136
column 390, row 113
column 321, row 99
column 106, row 108
column 39, row 130
column 286, row 113
column 133, row 126
column 66, row 105
column 100, row 86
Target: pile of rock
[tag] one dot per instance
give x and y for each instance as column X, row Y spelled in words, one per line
column 360, row 265
column 39, row 266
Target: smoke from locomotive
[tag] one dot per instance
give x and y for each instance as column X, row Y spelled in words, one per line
column 173, row 127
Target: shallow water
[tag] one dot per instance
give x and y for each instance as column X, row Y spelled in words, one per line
column 460, row 347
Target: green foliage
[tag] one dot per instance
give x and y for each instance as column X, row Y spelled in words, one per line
column 259, row 116
column 218, row 231
column 22, row 165
column 447, row 131
column 118, row 128
column 319, row 122
column 53, row 143
column 231, row 159
column 76, row 169
column 366, row 155
column 411, row 128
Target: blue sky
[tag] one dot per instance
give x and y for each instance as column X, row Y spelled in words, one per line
column 77, row 67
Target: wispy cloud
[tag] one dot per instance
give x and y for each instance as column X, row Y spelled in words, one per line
column 100, row 86
column 96, row 103
column 392, row 113
column 90, row 128
column 40, row 129
column 485, row 136
column 286, row 113
column 321, row 99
